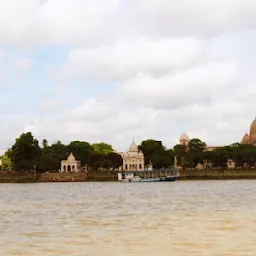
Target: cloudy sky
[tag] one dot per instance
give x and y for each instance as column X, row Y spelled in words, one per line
column 98, row 70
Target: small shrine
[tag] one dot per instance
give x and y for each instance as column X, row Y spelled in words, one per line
column 71, row 164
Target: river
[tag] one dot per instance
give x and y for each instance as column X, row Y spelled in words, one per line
column 101, row 219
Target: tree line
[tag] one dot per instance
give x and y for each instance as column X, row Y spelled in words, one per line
column 196, row 152
column 27, row 153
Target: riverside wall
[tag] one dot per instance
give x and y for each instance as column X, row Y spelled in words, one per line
column 192, row 174
column 218, row 174
column 62, row 177
column 14, row 177
column 28, row 177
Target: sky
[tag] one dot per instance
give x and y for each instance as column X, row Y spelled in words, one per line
column 111, row 71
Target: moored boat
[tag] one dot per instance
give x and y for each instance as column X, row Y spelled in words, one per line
column 149, row 175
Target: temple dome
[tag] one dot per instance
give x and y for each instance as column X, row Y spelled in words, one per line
column 246, row 139
column 253, row 139
column 133, row 148
column 253, row 128
column 71, row 157
column 184, row 137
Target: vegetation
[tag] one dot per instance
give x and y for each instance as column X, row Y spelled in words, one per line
column 156, row 154
column 188, row 157
column 27, row 153
column 6, row 162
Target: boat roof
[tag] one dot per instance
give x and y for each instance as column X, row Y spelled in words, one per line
column 127, row 172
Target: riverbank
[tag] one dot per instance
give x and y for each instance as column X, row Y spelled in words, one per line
column 12, row 177
column 94, row 176
column 218, row 174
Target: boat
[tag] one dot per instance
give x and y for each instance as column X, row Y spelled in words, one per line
column 163, row 175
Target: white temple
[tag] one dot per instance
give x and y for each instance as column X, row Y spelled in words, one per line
column 70, row 165
column 133, row 160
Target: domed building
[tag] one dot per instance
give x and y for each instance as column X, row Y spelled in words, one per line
column 71, row 164
column 133, row 160
column 184, row 139
column 250, row 139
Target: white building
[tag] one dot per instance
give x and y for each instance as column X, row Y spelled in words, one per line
column 70, row 165
column 133, row 160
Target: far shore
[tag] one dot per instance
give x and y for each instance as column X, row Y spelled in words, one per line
column 107, row 176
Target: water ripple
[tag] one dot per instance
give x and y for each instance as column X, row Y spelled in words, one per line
column 213, row 218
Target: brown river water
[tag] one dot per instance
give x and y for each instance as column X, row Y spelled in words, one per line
column 180, row 218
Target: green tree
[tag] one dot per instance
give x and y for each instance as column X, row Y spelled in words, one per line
column 6, row 162
column 220, row 156
column 196, row 145
column 45, row 143
column 115, row 160
column 152, row 149
column 97, row 160
column 25, row 153
column 102, row 148
column 48, row 160
column 193, row 158
column 51, row 156
column 243, row 153
column 180, row 151
column 82, row 151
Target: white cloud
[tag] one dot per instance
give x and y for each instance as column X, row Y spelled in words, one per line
column 129, row 58
column 20, row 65
column 177, row 66
column 54, row 21
column 156, row 107
column 186, row 17
column 192, row 85
column 94, row 21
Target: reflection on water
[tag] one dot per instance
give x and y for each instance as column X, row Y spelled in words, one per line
column 176, row 218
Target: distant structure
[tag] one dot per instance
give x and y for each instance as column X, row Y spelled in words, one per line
column 70, row 165
column 250, row 139
column 133, row 160
column 184, row 139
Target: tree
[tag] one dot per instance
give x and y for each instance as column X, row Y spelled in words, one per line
column 151, row 149
column 97, row 160
column 220, row 156
column 45, row 143
column 115, row 160
column 102, row 148
column 6, row 162
column 196, row 145
column 180, row 152
column 243, row 154
column 193, row 158
column 82, row 151
column 51, row 156
column 25, row 153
